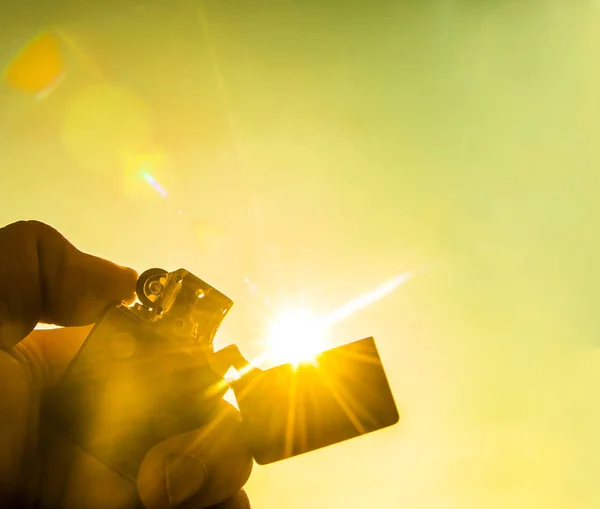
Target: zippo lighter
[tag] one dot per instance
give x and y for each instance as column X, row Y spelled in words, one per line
column 148, row 372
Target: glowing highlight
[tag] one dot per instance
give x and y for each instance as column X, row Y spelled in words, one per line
column 152, row 181
column 297, row 336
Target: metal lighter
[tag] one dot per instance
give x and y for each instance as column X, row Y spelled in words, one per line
column 150, row 371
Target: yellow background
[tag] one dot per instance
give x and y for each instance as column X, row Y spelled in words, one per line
column 319, row 148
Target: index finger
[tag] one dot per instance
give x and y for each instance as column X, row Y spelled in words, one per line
column 44, row 278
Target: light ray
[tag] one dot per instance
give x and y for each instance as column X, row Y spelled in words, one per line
column 233, row 123
column 362, row 301
column 345, row 402
column 290, row 422
column 298, row 336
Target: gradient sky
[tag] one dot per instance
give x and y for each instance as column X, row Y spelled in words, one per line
column 319, row 148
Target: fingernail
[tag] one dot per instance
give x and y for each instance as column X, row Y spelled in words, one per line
column 186, row 476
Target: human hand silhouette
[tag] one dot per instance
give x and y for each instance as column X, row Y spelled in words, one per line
column 43, row 278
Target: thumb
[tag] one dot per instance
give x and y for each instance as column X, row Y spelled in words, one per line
column 198, row 469
column 46, row 279
column 49, row 352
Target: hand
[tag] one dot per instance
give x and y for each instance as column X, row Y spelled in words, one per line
column 43, row 278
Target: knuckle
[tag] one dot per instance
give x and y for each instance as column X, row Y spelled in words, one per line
column 28, row 228
column 39, row 228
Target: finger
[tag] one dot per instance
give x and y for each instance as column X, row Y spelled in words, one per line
column 197, row 469
column 239, row 501
column 49, row 352
column 44, row 278
column 73, row 478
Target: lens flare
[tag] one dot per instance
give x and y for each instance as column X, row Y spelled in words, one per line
column 152, row 181
column 38, row 68
column 298, row 336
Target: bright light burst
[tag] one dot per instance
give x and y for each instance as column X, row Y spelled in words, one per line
column 298, row 336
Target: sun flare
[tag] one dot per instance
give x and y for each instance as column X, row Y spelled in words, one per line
column 296, row 336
